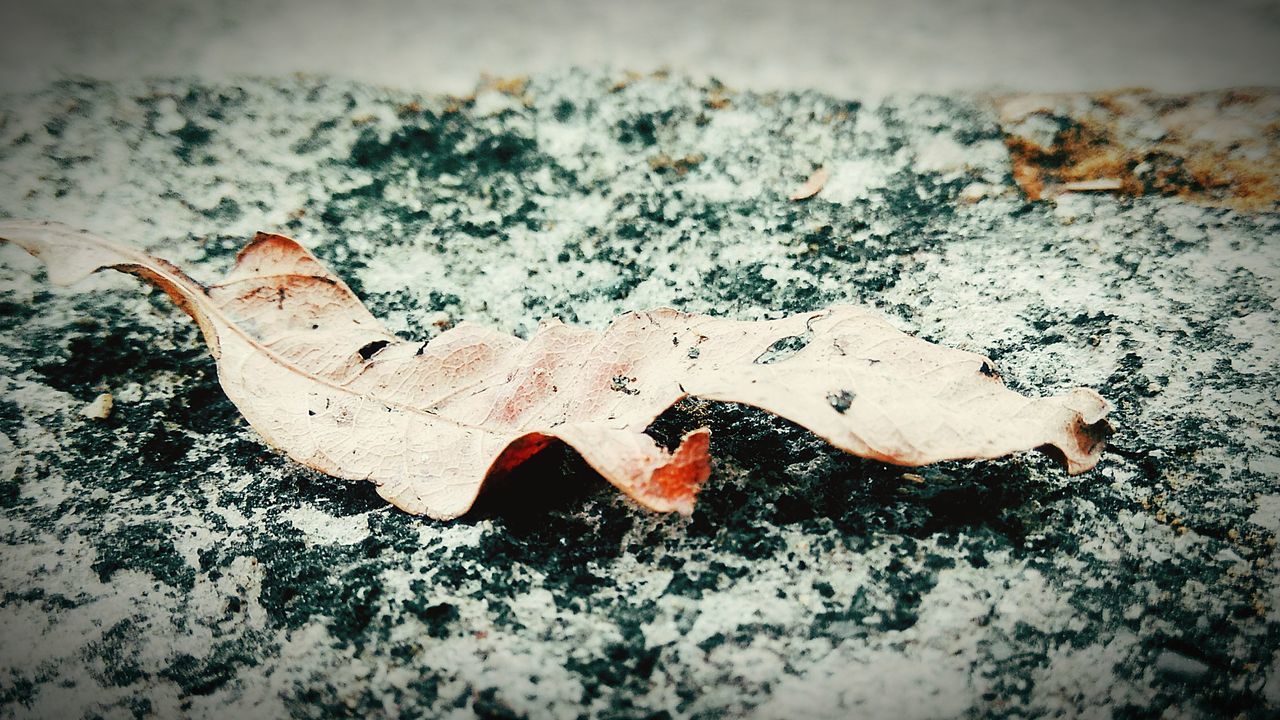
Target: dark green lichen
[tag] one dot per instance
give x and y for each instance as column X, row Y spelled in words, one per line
column 145, row 547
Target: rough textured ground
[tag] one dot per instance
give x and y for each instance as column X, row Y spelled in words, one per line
column 163, row 562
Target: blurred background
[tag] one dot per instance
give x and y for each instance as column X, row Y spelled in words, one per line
column 863, row 49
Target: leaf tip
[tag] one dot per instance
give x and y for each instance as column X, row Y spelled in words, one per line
column 1086, row 434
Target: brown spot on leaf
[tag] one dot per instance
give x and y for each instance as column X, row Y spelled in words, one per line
column 812, row 186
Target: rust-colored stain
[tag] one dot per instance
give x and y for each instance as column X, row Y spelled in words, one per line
column 1219, row 148
column 512, row 86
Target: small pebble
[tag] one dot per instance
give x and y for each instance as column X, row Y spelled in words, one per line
column 1177, row 665
column 100, row 408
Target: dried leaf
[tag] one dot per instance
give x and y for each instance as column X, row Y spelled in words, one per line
column 813, row 185
column 320, row 378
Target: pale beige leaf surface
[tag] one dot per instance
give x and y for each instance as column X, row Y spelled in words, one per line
column 321, row 379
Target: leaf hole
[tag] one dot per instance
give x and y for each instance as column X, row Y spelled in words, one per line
column 371, row 349
column 783, row 349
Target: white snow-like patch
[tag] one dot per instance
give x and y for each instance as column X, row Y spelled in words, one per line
column 1268, row 513
column 322, row 528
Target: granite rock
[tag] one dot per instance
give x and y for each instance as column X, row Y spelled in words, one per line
column 158, row 560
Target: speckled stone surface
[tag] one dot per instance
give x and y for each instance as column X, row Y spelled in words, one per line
column 162, row 562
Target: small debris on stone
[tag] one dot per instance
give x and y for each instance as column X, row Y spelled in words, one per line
column 99, row 408
column 1176, row 665
column 1101, row 184
column 813, row 185
column 973, row 192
